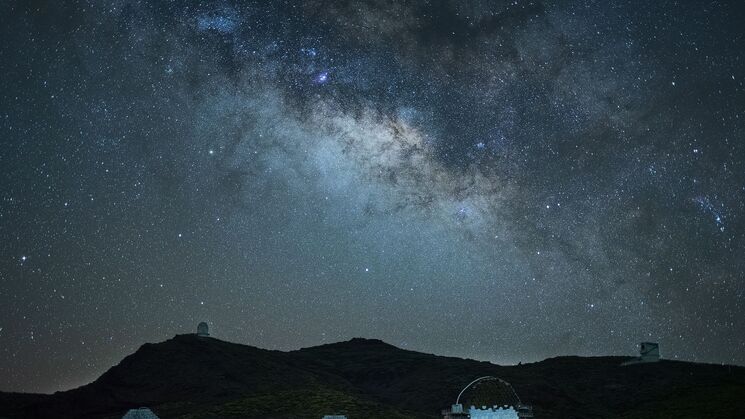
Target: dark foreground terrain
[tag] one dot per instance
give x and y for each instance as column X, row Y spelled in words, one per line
column 192, row 377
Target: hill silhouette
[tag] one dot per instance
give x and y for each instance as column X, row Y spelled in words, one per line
column 197, row 377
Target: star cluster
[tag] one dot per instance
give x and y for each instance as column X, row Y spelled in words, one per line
column 500, row 180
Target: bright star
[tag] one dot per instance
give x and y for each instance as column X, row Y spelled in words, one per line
column 321, row 77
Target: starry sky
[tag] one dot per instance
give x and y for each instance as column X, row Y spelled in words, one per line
column 499, row 180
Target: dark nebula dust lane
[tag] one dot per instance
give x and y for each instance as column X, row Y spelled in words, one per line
column 500, row 180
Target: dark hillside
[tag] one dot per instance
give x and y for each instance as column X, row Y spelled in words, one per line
column 194, row 377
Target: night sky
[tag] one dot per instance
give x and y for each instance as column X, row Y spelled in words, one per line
column 499, row 180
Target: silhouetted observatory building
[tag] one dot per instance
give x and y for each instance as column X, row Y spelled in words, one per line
column 203, row 329
column 648, row 352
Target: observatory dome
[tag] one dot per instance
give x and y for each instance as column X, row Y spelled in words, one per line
column 141, row 413
column 203, row 329
column 489, row 392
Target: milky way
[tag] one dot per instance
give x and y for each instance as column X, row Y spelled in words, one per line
column 505, row 181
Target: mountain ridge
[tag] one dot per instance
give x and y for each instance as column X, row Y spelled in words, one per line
column 190, row 376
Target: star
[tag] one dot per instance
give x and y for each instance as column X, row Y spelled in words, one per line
column 321, row 78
